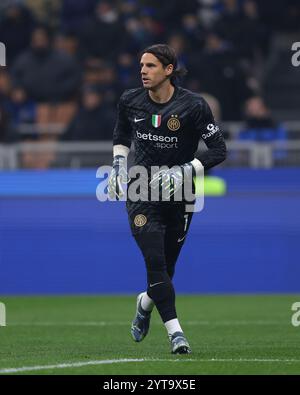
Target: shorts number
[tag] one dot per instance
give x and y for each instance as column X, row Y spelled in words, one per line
column 186, row 218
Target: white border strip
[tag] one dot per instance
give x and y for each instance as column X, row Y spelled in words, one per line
column 111, row 361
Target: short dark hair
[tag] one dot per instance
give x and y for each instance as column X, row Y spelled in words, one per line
column 166, row 55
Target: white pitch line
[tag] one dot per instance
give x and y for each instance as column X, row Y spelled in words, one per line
column 81, row 364
column 250, row 360
column 125, row 323
column 111, row 361
column 69, row 323
column 65, row 365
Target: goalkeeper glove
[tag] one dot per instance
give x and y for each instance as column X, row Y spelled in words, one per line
column 118, row 176
column 172, row 179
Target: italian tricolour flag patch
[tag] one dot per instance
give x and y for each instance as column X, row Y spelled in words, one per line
column 156, row 120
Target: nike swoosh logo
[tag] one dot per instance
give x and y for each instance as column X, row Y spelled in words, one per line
column 179, row 240
column 152, row 285
column 139, row 120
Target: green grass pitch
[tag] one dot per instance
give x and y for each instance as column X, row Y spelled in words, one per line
column 229, row 334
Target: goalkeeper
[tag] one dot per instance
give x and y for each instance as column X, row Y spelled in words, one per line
column 166, row 123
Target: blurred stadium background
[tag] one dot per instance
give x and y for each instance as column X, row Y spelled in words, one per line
column 67, row 63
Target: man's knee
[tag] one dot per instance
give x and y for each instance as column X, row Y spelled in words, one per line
column 152, row 247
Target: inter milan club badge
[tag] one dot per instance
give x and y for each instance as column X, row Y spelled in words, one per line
column 156, row 120
column 173, row 123
column 140, row 220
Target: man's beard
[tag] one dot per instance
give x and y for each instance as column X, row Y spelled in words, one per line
column 158, row 85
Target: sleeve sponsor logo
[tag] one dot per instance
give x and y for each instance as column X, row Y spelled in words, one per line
column 212, row 129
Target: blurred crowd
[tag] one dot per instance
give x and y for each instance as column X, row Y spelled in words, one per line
column 69, row 61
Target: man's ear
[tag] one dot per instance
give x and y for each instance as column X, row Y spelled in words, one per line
column 169, row 69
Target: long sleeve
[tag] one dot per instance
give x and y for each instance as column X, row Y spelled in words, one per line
column 211, row 135
column 122, row 130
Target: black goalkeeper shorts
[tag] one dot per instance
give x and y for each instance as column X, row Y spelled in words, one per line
column 159, row 217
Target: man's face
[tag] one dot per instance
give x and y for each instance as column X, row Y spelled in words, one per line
column 39, row 39
column 91, row 100
column 153, row 72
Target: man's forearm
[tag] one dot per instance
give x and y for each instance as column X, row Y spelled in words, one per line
column 212, row 158
column 215, row 154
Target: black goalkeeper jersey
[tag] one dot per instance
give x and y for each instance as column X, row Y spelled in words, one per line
column 168, row 133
